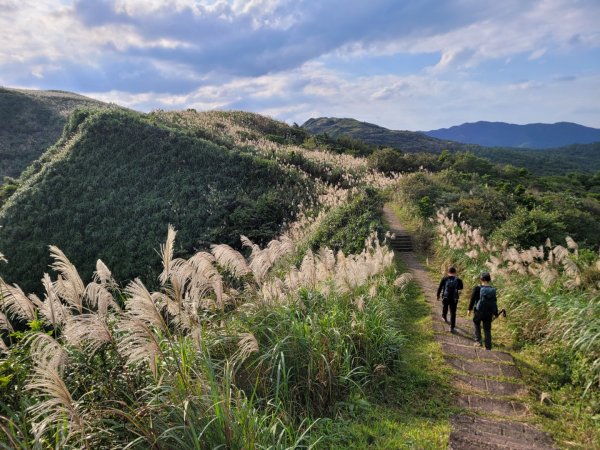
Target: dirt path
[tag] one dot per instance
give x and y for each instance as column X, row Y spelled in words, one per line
column 488, row 383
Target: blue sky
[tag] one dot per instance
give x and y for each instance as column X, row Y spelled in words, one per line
column 404, row 64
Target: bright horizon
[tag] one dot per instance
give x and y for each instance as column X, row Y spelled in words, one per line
column 411, row 65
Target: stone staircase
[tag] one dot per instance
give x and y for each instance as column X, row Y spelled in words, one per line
column 401, row 242
column 489, row 387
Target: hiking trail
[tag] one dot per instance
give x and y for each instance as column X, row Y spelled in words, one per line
column 488, row 383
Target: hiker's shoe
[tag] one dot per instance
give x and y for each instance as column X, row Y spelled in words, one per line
column 452, row 330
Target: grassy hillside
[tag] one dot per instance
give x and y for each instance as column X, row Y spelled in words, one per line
column 109, row 188
column 556, row 161
column 408, row 141
column 30, row 122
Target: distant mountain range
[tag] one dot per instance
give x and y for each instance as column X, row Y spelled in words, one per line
column 558, row 160
column 533, row 135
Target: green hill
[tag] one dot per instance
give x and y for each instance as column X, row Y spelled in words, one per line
column 111, row 185
column 555, row 161
column 408, row 141
column 30, row 122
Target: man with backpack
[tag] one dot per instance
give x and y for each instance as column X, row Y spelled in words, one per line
column 449, row 289
column 485, row 307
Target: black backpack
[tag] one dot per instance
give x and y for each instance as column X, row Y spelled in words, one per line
column 487, row 300
column 451, row 289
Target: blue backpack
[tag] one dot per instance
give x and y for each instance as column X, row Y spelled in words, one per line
column 487, row 300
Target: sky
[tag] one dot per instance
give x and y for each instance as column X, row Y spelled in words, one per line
column 403, row 64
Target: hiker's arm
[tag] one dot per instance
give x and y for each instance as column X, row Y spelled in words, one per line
column 474, row 298
column 459, row 285
column 440, row 287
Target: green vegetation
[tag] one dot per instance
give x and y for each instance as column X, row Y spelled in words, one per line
column 348, row 226
column 556, row 161
column 114, row 182
column 375, row 135
column 308, row 340
column 222, row 354
column 507, row 203
column 30, row 122
column 550, row 291
column 410, row 408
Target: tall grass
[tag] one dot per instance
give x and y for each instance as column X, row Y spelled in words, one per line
column 227, row 353
column 552, row 291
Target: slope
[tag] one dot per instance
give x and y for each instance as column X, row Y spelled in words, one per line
column 575, row 158
column 532, row 135
column 30, row 122
column 409, row 141
column 115, row 180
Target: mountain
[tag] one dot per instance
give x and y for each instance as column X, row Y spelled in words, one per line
column 409, row 141
column 116, row 179
column 31, row 121
column 555, row 161
column 534, row 135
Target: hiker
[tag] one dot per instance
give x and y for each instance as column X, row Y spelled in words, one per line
column 485, row 307
column 449, row 288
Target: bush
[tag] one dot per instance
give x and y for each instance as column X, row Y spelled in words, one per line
column 528, row 228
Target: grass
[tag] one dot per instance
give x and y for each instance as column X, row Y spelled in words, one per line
column 572, row 420
column 412, row 408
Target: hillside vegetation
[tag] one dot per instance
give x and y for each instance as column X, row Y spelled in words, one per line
column 30, row 122
column 544, row 260
column 222, row 280
column 115, row 181
column 555, row 161
column 229, row 349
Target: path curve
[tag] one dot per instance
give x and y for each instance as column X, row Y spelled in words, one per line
column 488, row 383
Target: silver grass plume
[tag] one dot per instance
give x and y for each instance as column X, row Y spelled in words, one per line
column 138, row 343
column 247, row 345
column 88, row 331
column 143, row 306
column 15, row 302
column 98, row 297
column 103, row 275
column 46, row 351
column 231, row 260
column 52, row 309
column 58, row 404
column 5, row 324
column 403, row 281
column 166, row 253
column 69, row 285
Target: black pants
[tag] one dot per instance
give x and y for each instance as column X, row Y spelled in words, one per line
column 486, row 321
column 449, row 304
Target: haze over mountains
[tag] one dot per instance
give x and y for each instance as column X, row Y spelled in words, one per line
column 533, row 135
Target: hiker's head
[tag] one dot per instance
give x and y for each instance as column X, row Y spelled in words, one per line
column 485, row 277
column 452, row 271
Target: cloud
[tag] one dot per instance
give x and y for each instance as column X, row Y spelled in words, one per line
column 272, row 55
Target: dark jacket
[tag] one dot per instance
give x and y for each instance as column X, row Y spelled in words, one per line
column 475, row 296
column 459, row 285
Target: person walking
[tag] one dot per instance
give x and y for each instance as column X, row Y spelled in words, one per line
column 485, row 306
column 449, row 290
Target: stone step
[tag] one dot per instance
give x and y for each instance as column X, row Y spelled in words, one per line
column 476, row 353
column 485, row 385
column 469, row 429
column 492, row 406
column 483, row 368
